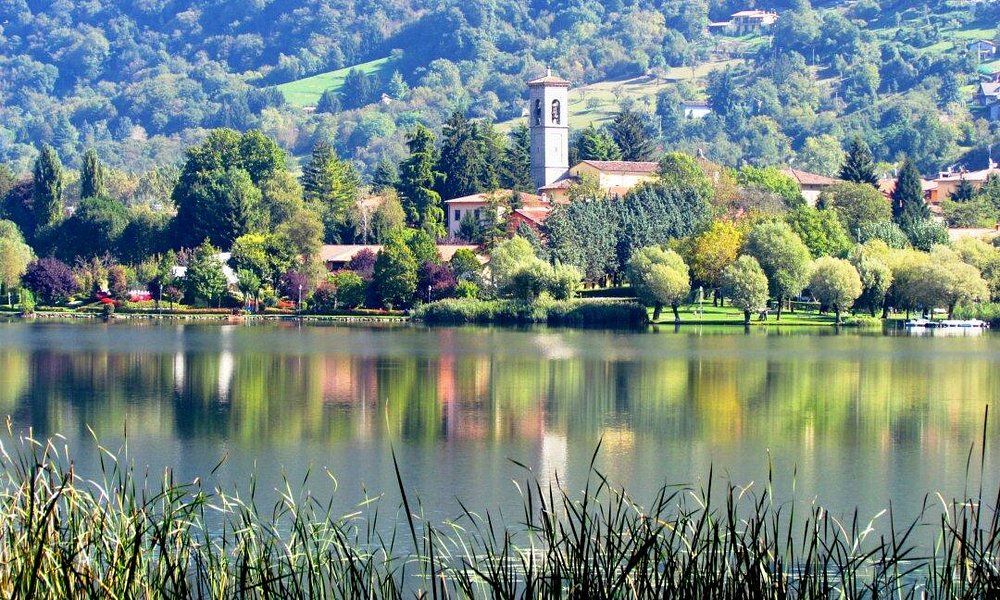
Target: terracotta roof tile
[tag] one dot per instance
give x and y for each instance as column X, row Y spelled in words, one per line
column 624, row 166
column 807, row 178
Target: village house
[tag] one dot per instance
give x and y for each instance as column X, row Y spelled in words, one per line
column 986, row 49
column 615, row 177
column 696, row 109
column 987, row 93
column 752, row 21
column 812, row 184
column 476, row 205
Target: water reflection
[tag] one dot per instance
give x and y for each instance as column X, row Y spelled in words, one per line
column 860, row 419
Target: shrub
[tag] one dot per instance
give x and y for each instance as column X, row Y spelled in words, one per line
column 466, row 289
column 51, row 280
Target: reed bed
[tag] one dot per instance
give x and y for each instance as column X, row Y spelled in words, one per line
column 131, row 535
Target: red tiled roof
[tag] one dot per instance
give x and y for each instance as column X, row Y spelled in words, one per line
column 560, row 184
column 485, row 197
column 807, row 178
column 624, row 166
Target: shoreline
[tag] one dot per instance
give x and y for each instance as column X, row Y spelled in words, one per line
column 405, row 319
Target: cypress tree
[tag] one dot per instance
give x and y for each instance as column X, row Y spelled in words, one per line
column 859, row 167
column 908, row 189
column 92, row 176
column 47, row 188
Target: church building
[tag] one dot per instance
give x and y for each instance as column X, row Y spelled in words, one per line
column 548, row 123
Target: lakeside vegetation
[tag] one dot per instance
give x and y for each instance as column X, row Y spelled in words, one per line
column 122, row 532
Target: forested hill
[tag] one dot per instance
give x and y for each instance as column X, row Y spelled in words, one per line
column 141, row 80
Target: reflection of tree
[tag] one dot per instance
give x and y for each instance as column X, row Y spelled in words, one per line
column 871, row 394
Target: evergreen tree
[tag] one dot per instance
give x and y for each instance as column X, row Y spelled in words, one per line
column 859, row 167
column 329, row 102
column 395, row 275
column 47, row 187
column 630, row 133
column 596, row 145
column 417, row 179
column 964, row 192
column 908, row 189
column 331, row 186
column 385, row 176
column 397, row 87
column 92, row 176
column 516, row 171
column 461, row 159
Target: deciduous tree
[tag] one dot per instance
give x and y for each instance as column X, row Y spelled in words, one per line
column 659, row 277
column 395, row 274
column 783, row 256
column 835, row 283
column 746, row 285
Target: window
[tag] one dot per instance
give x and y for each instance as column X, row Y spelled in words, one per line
column 458, row 216
column 556, row 112
column 538, row 112
column 477, row 214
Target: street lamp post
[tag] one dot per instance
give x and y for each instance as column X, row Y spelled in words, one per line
column 300, row 298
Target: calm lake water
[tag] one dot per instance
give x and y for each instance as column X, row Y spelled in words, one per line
column 860, row 419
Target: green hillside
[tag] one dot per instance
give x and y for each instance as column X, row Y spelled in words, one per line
column 306, row 92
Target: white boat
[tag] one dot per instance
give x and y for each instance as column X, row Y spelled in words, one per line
column 946, row 327
column 963, row 324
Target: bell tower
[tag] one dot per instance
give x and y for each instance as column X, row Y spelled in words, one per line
column 548, row 121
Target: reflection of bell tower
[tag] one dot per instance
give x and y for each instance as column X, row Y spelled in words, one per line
column 548, row 119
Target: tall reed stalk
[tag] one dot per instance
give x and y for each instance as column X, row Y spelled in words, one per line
column 129, row 535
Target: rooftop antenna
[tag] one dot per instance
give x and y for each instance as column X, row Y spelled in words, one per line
column 548, row 71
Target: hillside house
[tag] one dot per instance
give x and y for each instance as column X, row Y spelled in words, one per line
column 987, row 93
column 986, row 49
column 752, row 21
column 945, row 184
column 696, row 109
column 812, row 184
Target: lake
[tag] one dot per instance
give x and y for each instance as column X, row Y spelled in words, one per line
column 849, row 420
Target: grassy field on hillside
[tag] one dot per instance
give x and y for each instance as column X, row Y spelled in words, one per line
column 598, row 103
column 306, row 92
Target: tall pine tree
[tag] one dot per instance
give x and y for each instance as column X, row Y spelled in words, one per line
column 631, row 135
column 859, row 167
column 908, row 190
column 417, row 182
column 516, row 171
column 596, row 145
column 461, row 158
column 47, row 187
column 331, row 186
column 92, row 176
